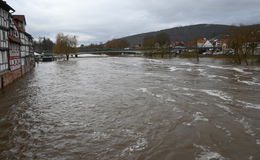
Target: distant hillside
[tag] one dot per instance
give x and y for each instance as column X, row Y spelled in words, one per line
column 186, row 33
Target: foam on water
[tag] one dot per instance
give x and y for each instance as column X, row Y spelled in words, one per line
column 198, row 116
column 247, row 126
column 209, row 156
column 228, row 133
column 170, row 100
column 139, row 145
column 189, row 69
column 251, row 83
column 176, row 109
column 158, row 96
column 205, row 74
column 241, row 70
column 220, row 94
column 176, row 88
column 155, row 60
column 216, row 67
column 172, row 69
column 99, row 136
column 188, row 94
column 216, row 76
column 250, row 158
column 201, row 70
column 206, row 154
column 201, row 103
column 249, row 105
column 258, row 141
column 189, row 64
column 187, row 123
column 144, row 90
column 227, row 109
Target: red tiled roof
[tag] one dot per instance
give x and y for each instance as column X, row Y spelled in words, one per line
column 179, row 43
column 201, row 41
column 19, row 28
column 20, row 18
column 191, row 43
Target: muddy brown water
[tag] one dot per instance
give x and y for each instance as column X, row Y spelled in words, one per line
column 132, row 108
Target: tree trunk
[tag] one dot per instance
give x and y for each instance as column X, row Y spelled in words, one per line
column 253, row 51
column 67, row 56
column 238, row 59
column 198, row 58
column 245, row 55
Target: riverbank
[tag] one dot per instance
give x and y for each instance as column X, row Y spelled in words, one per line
column 236, row 59
column 9, row 76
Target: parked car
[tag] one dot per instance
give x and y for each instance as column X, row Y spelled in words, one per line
column 218, row 53
column 230, row 52
column 207, row 53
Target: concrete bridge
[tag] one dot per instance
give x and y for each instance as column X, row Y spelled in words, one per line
column 112, row 51
column 135, row 51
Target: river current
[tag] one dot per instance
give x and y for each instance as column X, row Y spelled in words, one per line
column 120, row 108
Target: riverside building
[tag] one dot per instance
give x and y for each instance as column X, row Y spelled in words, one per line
column 16, row 53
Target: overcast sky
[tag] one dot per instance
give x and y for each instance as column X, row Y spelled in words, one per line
column 101, row 20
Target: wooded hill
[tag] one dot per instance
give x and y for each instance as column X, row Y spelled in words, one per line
column 185, row 33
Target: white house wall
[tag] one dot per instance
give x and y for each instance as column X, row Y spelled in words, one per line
column 4, row 18
column 4, row 26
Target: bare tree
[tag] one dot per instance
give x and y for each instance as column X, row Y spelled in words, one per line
column 243, row 39
column 149, row 41
column 65, row 44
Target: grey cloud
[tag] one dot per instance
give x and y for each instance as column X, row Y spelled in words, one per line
column 101, row 20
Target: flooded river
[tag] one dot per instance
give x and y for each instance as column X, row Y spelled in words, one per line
column 118, row 108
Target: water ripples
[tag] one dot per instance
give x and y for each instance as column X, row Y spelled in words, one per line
column 132, row 108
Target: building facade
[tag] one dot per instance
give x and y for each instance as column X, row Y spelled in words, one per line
column 16, row 54
column 14, row 47
column 27, row 57
column 4, row 28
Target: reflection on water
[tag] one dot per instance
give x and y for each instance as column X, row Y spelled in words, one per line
column 132, row 108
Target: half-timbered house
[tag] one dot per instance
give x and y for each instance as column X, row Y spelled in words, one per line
column 16, row 54
column 14, row 47
column 5, row 10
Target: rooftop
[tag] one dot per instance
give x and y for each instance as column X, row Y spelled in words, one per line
column 20, row 18
column 5, row 6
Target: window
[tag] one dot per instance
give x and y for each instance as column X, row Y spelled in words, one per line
column 3, row 61
column 4, row 15
column 3, row 39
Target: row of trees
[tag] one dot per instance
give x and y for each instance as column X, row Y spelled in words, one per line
column 160, row 39
column 117, row 43
column 43, row 45
column 65, row 44
column 93, row 46
column 243, row 39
